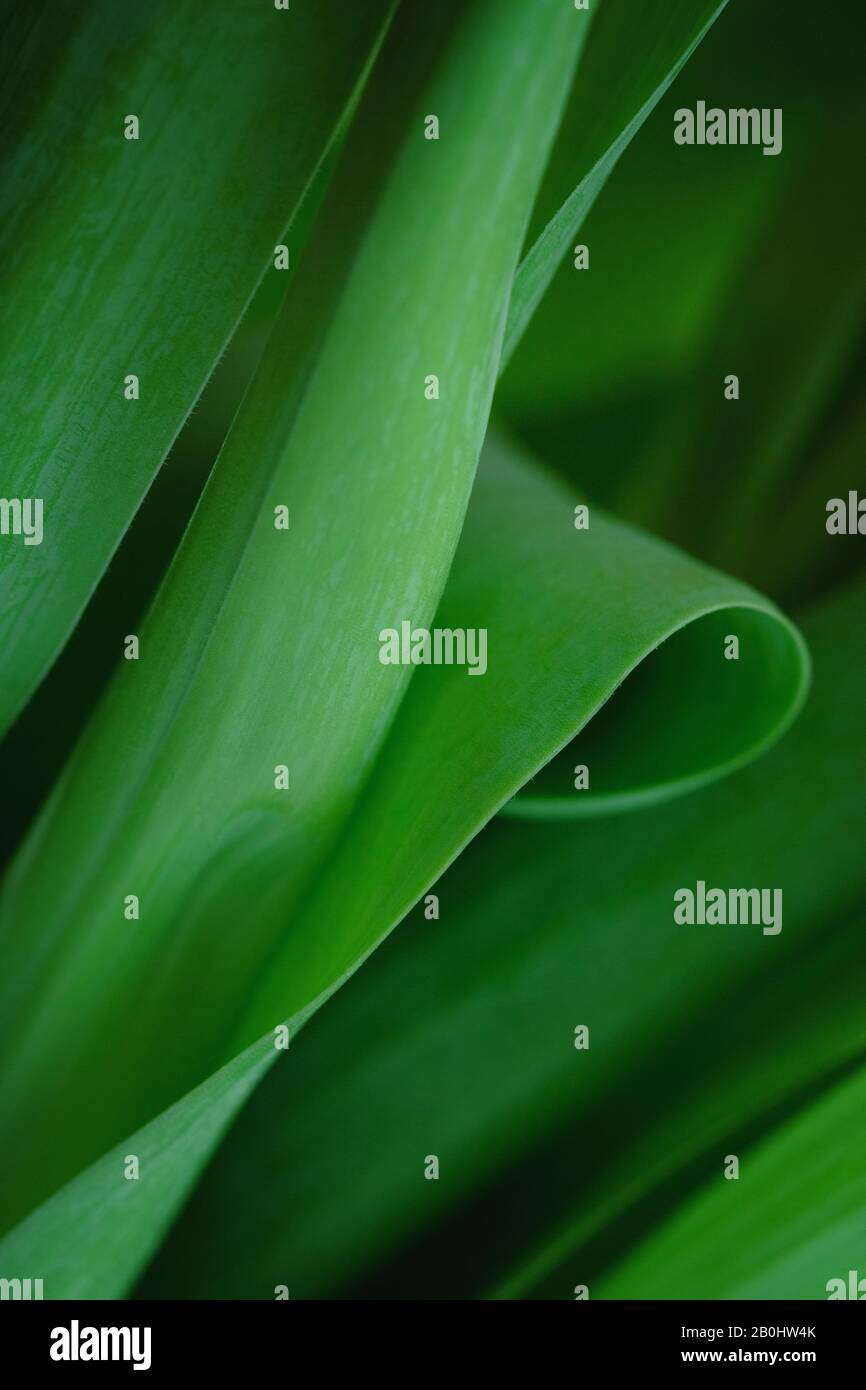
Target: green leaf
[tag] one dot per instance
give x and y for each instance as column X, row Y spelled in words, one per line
column 570, row 614
column 137, row 257
column 171, row 795
column 457, row 1039
column 521, row 523
column 45, row 734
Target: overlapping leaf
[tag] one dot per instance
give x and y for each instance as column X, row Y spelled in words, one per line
column 138, row 256
column 171, row 796
column 570, row 615
column 601, row 118
column 453, row 755
column 457, row 1039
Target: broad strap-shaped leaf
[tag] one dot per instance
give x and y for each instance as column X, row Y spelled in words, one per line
column 136, row 257
column 571, row 616
column 174, row 796
column 457, row 1039
column 426, row 782
column 43, row 737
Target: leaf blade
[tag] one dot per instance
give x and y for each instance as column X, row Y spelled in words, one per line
column 139, row 283
column 190, row 820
